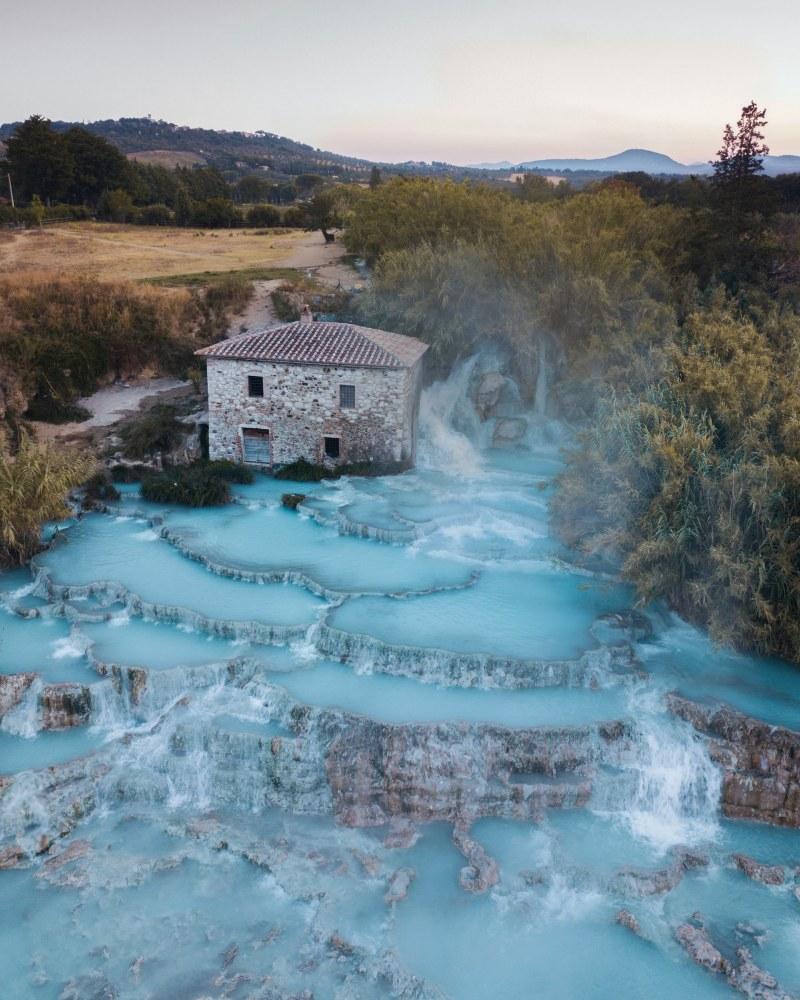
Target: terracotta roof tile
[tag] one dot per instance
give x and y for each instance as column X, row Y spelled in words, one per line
column 322, row 344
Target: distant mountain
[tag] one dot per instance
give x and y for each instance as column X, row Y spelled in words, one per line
column 786, row 164
column 645, row 160
column 630, row 159
column 501, row 165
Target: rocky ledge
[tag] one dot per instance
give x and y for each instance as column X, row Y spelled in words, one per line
column 53, row 706
column 760, row 762
column 743, row 974
column 459, row 772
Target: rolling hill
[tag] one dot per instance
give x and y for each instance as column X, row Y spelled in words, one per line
column 645, row 160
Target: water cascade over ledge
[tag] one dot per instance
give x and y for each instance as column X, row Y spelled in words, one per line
column 391, row 744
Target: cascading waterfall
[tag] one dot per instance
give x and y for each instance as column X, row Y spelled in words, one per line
column 677, row 791
column 443, row 406
column 668, row 792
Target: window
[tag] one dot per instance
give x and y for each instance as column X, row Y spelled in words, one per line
column 347, row 397
column 331, row 447
column 255, row 385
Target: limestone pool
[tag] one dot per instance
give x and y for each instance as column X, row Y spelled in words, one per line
column 393, row 744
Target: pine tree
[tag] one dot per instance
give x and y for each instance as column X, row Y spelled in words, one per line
column 39, row 161
column 740, row 198
column 740, row 158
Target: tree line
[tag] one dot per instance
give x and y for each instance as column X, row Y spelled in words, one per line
column 671, row 311
column 77, row 174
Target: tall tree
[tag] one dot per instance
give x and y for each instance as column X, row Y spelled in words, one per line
column 322, row 212
column 39, row 161
column 375, row 178
column 740, row 158
column 737, row 244
column 97, row 166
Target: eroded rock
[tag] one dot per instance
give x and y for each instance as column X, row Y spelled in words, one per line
column 379, row 772
column 482, row 872
column 12, row 690
column 92, row 986
column 698, row 945
column 65, row 705
column 399, row 884
column 292, row 500
column 509, row 431
column 73, row 851
column 744, row 975
column 643, row 882
column 488, row 392
column 626, row 919
column 768, row 874
column 760, row 762
column 12, row 856
column 629, row 625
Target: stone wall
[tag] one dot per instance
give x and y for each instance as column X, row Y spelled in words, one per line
column 300, row 407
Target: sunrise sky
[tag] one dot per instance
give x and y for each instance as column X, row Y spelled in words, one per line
column 421, row 79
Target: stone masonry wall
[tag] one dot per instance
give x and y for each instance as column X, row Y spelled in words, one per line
column 300, row 407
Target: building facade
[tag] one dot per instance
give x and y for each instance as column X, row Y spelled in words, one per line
column 330, row 393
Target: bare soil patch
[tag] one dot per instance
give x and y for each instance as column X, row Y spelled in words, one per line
column 169, row 158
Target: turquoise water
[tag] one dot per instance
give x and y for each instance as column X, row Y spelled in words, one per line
column 204, row 857
column 528, row 615
column 125, row 551
column 134, row 642
column 43, row 645
column 400, row 699
column 21, row 753
column 273, row 538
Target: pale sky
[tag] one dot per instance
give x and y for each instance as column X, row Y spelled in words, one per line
column 456, row 80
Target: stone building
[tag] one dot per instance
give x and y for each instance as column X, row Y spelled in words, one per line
column 326, row 392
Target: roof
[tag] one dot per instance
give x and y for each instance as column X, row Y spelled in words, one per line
column 322, row 344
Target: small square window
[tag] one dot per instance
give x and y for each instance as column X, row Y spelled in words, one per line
column 332, row 447
column 347, row 396
column 255, row 385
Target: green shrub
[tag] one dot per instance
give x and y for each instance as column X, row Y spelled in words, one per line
column 157, row 430
column 231, row 472
column 263, row 215
column 187, row 485
column 227, row 294
column 54, row 411
column 294, row 217
column 284, row 304
column 216, row 213
column 129, row 473
column 302, row 471
column 100, row 487
column 155, row 215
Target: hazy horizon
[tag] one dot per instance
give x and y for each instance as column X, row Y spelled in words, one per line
column 455, row 84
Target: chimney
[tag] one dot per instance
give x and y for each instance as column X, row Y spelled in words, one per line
column 305, row 314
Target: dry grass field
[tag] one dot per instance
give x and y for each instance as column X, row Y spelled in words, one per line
column 120, row 252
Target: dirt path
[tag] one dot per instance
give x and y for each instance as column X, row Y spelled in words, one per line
column 310, row 254
column 111, row 404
